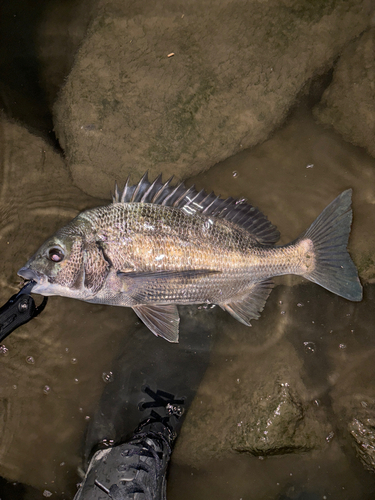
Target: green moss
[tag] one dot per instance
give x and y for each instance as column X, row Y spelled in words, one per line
column 286, row 26
column 188, row 106
column 181, row 120
column 313, row 10
column 107, row 108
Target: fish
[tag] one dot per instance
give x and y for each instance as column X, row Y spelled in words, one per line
column 157, row 246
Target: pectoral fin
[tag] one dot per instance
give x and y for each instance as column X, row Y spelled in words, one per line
column 162, row 320
column 249, row 306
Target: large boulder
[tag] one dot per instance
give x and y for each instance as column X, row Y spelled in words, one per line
column 60, row 32
column 348, row 104
column 176, row 87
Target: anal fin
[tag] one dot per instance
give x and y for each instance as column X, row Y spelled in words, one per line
column 250, row 304
column 162, row 320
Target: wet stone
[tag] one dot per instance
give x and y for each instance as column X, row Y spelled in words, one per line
column 107, row 377
column 4, row 350
column 362, row 428
column 272, row 427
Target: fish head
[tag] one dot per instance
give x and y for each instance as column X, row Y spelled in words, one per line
column 58, row 266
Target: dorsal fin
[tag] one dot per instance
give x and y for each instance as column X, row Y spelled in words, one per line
column 190, row 200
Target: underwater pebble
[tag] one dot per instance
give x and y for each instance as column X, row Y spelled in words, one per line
column 107, row 442
column 330, row 436
column 107, row 377
column 4, row 350
column 309, row 347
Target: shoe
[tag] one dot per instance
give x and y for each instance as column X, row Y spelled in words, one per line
column 136, row 470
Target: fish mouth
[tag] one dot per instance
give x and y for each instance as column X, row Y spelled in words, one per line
column 39, row 281
column 29, row 274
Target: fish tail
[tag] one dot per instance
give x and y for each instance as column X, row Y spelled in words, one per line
column 327, row 237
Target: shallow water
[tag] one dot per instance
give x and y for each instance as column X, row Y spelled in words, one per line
column 327, row 347
column 56, row 398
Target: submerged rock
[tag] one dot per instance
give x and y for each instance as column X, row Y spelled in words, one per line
column 177, row 87
column 354, row 400
column 358, row 419
column 349, row 102
column 363, row 432
column 273, row 422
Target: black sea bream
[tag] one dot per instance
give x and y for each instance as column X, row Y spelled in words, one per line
column 157, row 246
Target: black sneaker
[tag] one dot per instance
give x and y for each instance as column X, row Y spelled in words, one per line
column 136, row 470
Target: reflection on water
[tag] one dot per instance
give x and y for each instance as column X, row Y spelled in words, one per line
column 302, row 374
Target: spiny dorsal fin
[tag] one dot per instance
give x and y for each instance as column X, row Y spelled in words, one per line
column 190, row 200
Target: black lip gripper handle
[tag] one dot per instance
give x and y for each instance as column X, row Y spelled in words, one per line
column 19, row 309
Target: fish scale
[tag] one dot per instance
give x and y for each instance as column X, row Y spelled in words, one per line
column 157, row 246
column 176, row 235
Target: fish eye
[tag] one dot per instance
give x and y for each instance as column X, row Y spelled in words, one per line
column 55, row 254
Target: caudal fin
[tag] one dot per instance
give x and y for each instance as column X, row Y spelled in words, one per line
column 329, row 233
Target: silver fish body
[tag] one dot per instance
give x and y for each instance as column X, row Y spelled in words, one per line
column 157, row 246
